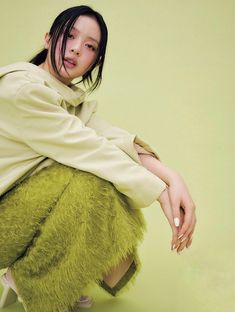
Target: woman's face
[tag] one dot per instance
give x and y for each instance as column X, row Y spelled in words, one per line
column 81, row 50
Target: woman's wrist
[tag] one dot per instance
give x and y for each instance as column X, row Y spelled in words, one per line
column 170, row 175
column 158, row 168
column 173, row 177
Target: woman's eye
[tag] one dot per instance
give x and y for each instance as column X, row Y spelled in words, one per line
column 70, row 36
column 91, row 47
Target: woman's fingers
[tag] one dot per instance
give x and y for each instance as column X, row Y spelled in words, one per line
column 187, row 241
column 175, row 206
column 181, row 246
column 166, row 207
column 182, row 218
column 188, row 220
column 168, row 213
column 175, row 241
column 190, row 230
column 174, row 236
column 183, row 228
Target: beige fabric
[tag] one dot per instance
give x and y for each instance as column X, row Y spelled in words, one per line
column 42, row 120
column 129, row 143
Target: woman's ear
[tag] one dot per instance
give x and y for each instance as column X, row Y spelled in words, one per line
column 47, row 40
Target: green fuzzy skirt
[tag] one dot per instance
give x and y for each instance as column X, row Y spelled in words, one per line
column 61, row 231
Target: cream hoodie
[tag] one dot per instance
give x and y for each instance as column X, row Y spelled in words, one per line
column 42, row 120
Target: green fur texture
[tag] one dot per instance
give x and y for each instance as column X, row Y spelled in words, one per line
column 61, row 230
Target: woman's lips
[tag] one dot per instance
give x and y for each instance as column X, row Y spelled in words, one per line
column 70, row 63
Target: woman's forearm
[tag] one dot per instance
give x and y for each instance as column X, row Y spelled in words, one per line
column 156, row 167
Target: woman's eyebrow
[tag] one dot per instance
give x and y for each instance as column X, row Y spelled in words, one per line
column 73, row 28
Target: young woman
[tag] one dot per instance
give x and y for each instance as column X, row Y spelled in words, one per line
column 72, row 185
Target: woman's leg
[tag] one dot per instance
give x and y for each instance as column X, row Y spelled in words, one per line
column 8, row 295
column 10, row 280
column 80, row 227
column 83, row 301
column 118, row 272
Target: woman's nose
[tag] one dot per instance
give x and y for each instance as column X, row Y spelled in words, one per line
column 73, row 50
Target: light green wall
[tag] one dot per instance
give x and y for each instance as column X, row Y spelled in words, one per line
column 169, row 77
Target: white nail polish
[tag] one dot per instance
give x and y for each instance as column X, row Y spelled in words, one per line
column 177, row 221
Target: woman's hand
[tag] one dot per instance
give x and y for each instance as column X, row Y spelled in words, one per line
column 166, row 207
column 180, row 201
column 183, row 209
column 187, row 242
column 176, row 243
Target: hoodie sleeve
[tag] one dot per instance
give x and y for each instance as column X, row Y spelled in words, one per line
column 129, row 143
column 48, row 129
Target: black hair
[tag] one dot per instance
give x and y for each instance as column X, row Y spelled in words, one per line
column 63, row 25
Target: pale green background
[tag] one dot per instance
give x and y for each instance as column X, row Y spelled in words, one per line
column 169, row 77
